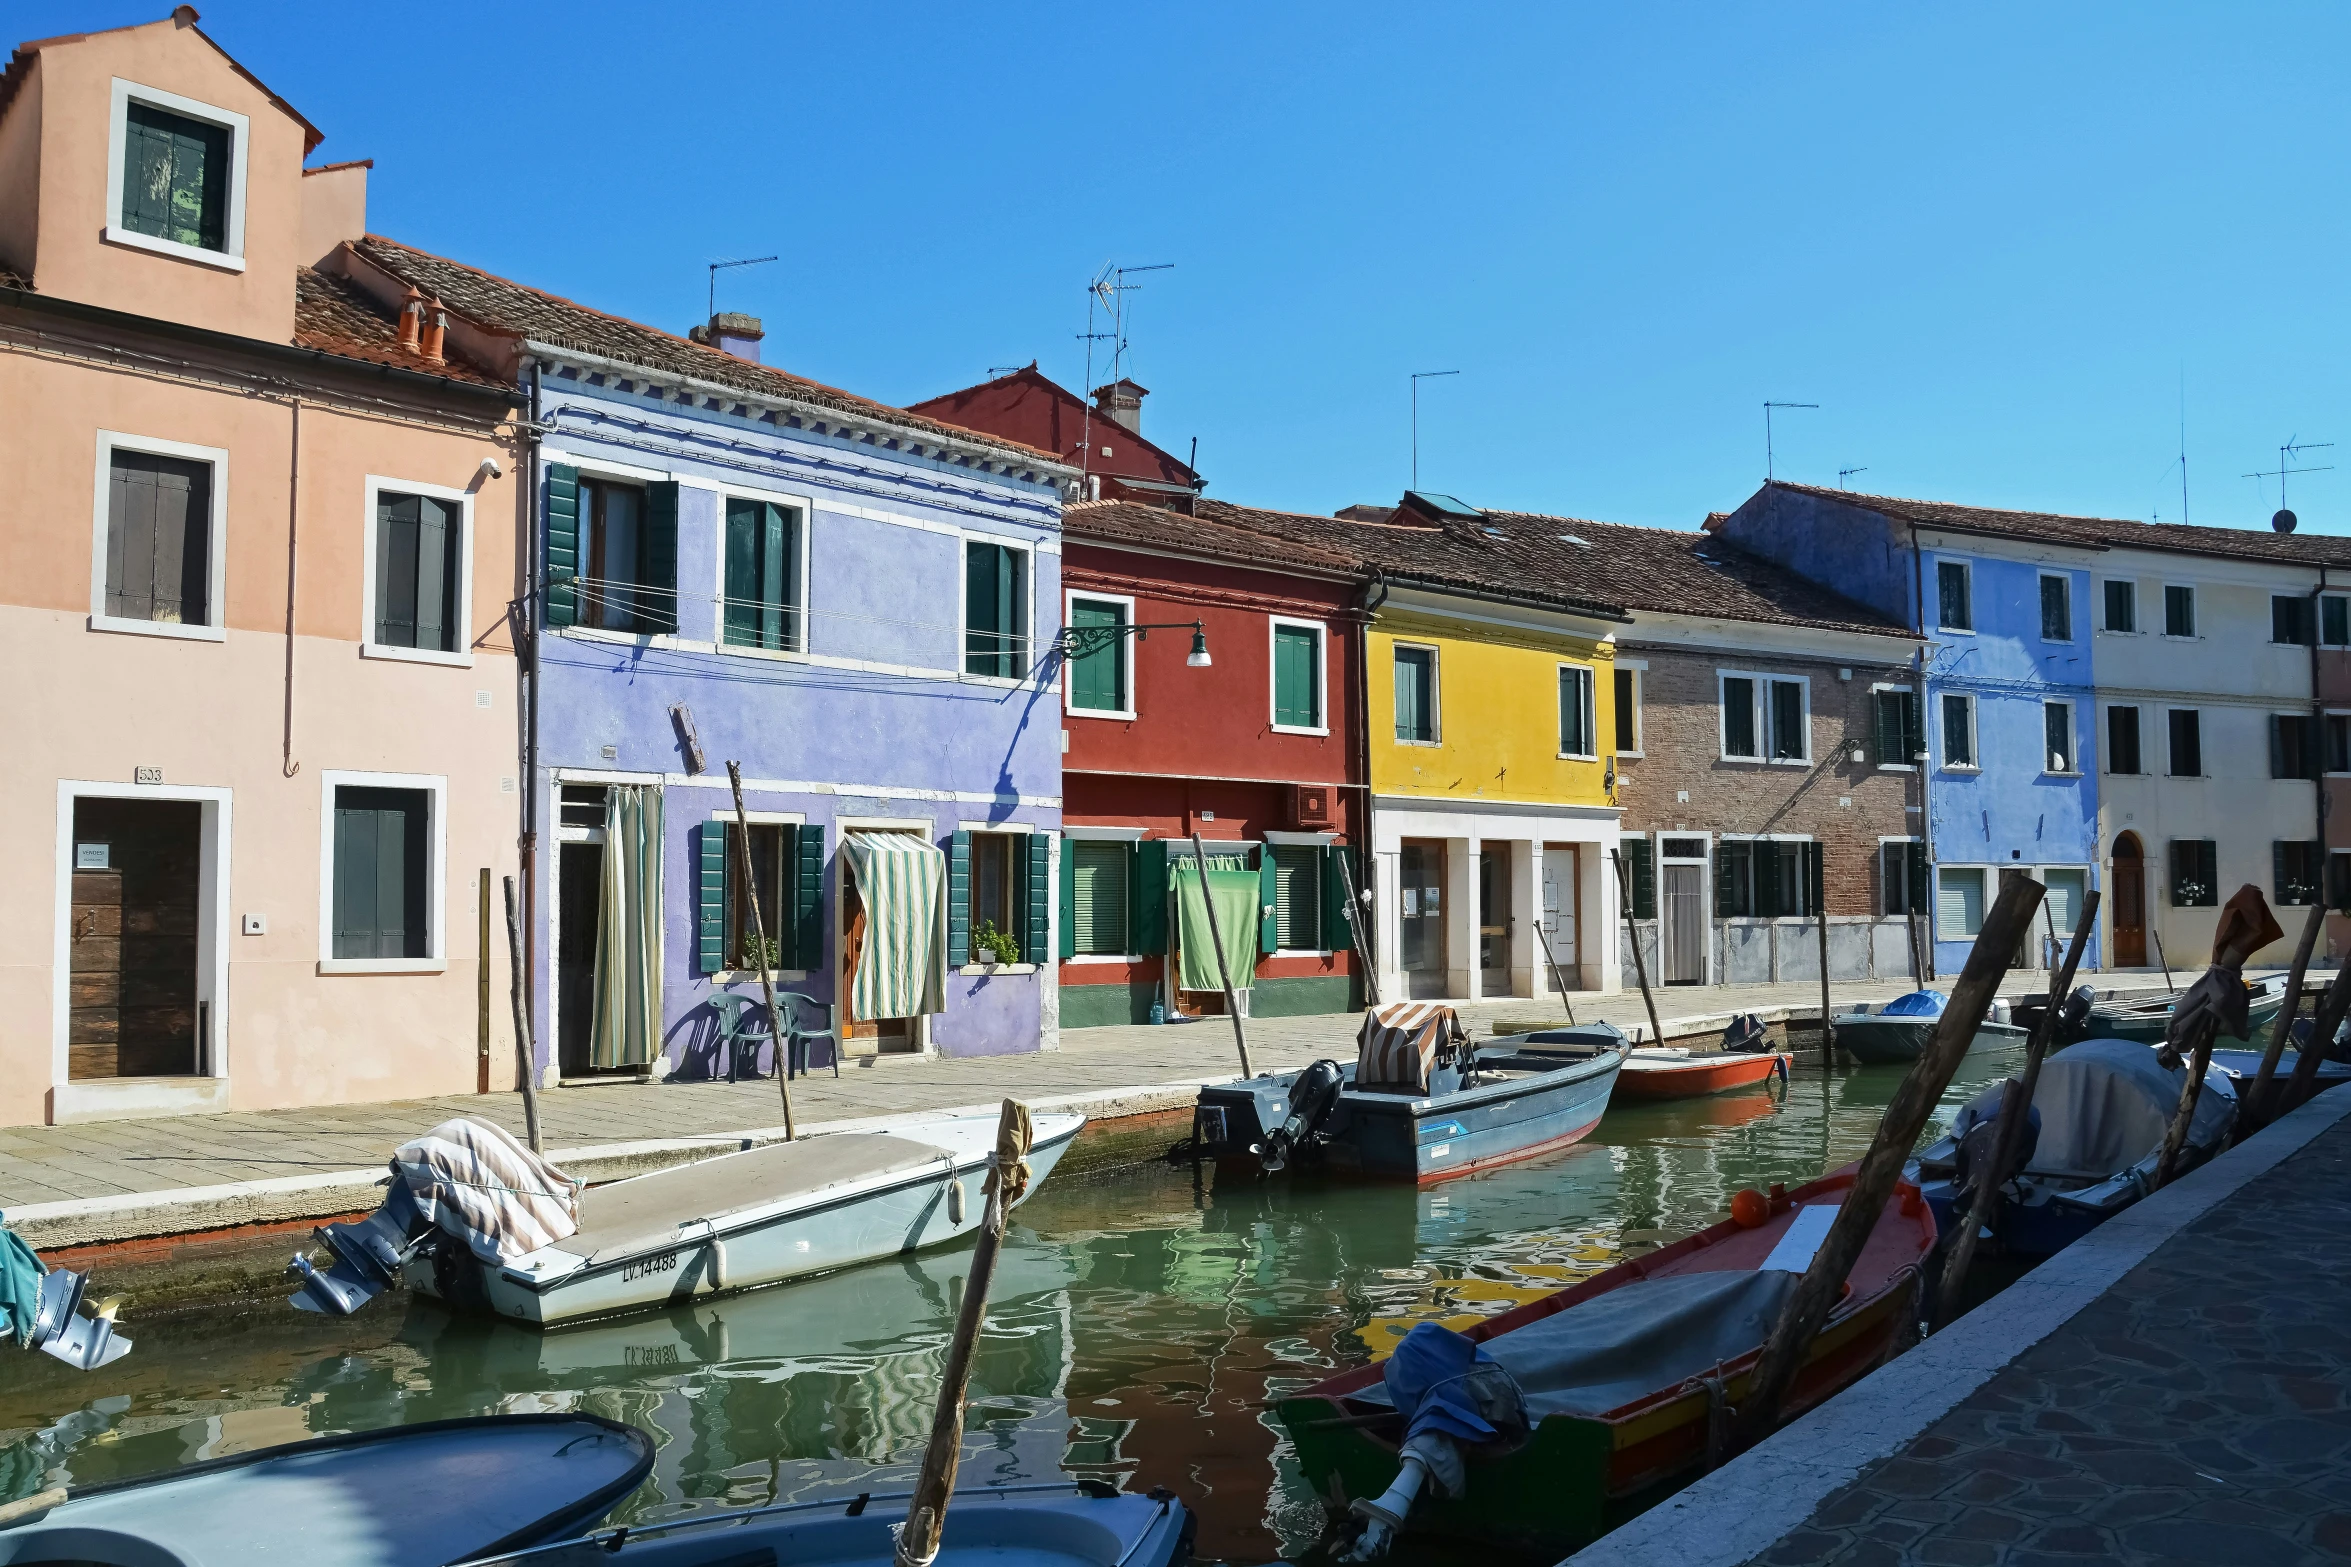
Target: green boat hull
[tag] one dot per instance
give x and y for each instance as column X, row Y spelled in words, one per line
column 2147, row 1027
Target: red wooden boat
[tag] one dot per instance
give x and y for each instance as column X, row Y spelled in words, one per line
column 1647, row 1075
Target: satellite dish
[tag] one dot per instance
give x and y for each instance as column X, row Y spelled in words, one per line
column 2284, row 521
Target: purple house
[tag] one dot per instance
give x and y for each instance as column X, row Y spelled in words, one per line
column 855, row 604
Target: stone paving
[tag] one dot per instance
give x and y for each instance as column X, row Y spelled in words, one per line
column 2199, row 1411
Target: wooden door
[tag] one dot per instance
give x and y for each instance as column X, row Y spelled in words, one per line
column 1562, row 886
column 2130, row 904
column 137, row 880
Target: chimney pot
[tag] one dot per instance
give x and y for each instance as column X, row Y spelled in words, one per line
column 732, row 333
column 436, row 332
column 1121, row 402
column 411, row 320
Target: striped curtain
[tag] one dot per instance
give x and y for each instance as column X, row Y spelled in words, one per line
column 902, row 971
column 627, row 1029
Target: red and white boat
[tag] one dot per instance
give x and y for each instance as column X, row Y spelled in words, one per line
column 1669, row 1073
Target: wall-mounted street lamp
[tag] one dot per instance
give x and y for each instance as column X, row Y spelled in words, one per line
column 1079, row 641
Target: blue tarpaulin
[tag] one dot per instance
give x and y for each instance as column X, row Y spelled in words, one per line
column 1919, row 1003
column 20, row 1285
column 1424, row 1379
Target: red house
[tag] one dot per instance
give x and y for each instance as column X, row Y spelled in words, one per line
column 1257, row 752
column 1104, row 441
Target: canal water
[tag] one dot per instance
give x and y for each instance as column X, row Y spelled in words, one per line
column 1137, row 1326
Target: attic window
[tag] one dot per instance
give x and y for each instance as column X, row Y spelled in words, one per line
column 1494, row 533
column 176, row 177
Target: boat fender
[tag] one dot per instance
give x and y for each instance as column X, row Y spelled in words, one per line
column 1749, row 1208
column 718, row 1263
column 955, row 1201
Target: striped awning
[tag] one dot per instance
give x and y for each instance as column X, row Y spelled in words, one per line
column 1399, row 1041
column 902, row 880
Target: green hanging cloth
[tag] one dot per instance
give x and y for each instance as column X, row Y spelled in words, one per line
column 20, row 1285
column 1236, row 893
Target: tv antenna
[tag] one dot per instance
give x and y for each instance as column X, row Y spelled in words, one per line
column 1842, row 474
column 717, row 267
column 2284, row 520
column 1767, row 452
column 1106, row 296
column 1419, row 376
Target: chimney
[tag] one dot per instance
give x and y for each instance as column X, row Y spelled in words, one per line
column 731, row 333
column 1365, row 511
column 436, row 332
column 412, row 321
column 1121, row 402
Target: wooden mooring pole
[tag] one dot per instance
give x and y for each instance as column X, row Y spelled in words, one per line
column 767, row 979
column 1224, row 974
column 2253, row 1114
column 526, row 1069
column 1624, row 899
column 2246, row 926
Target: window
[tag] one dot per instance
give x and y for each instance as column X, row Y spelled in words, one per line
column 2122, row 740
column 1628, row 711
column 1738, row 718
column 2179, row 611
column 175, row 176
column 382, row 873
column 1101, row 671
column 762, row 585
column 1902, row 877
column 995, row 902
column 1297, row 676
column 2122, row 606
column 2338, row 742
column 1099, row 876
column 1958, row 730
column 1640, row 875
column 2187, row 743
column 771, row 855
column 1899, row 741
column 2057, row 753
column 995, row 610
column 2297, row 866
column 2195, row 876
column 418, row 562
column 627, row 540
column 2293, row 746
column 1959, row 902
column 1764, row 878
column 1297, row 896
column 2292, row 619
column 1790, row 741
column 161, row 565
column 1416, row 695
column 2334, row 621
column 1764, row 718
column 2056, row 608
column 1954, row 603
column 1578, row 724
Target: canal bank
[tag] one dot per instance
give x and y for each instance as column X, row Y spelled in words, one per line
column 2175, row 1387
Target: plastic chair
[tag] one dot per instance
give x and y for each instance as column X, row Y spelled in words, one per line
column 791, row 1004
column 743, row 1027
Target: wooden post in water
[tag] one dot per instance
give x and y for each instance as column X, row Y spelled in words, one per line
column 1355, row 936
column 2015, row 1105
column 2246, row 926
column 2253, row 1114
column 1820, row 914
column 926, row 1513
column 1224, row 975
column 2323, row 1024
column 524, row 1067
column 2168, row 982
column 1624, row 899
column 1906, row 1115
column 767, row 980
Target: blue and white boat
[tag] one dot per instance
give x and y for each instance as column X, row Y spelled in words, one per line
column 1898, row 1032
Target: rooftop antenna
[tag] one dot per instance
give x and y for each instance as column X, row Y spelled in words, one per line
column 1419, row 376
column 2184, row 446
column 718, row 266
column 997, row 370
column 1767, row 453
column 2284, row 521
column 1105, row 293
column 1842, row 473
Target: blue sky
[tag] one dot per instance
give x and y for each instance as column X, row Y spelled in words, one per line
column 1991, row 242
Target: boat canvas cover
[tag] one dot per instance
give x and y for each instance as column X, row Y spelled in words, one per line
column 1237, row 894
column 1646, row 1337
column 20, row 1286
column 2105, row 1104
column 1919, row 1003
column 1397, row 1045
column 902, row 971
column 480, row 1185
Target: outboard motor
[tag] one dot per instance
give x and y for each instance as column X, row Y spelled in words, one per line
column 1977, row 1145
column 60, row 1329
column 367, row 1256
column 2073, row 1017
column 1746, row 1034
column 1312, row 1098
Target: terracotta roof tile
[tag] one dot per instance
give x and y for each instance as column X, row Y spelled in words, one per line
column 1156, row 527
column 337, row 316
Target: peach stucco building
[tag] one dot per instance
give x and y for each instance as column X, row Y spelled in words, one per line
column 256, row 554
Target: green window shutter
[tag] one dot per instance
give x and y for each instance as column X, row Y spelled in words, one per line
column 1730, row 875
column 1917, row 863
column 657, row 560
column 1099, row 899
column 1296, row 870
column 380, row 873
column 1889, row 729
column 779, row 596
column 1147, row 897
column 1036, row 897
column 958, row 899
column 563, row 544
column 1097, row 679
column 739, row 623
column 805, row 946
column 1641, row 873
column 175, row 177
column 710, row 899
column 1269, row 888
column 1815, row 878
column 1069, row 898
column 1766, row 857
column 1337, row 934
column 439, row 573
column 1296, row 701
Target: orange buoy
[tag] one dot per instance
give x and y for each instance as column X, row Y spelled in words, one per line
column 1749, row 1208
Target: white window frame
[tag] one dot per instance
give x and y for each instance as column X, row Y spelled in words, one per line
column 2195, row 614
column 2315, row 619
column 2138, row 621
column 1275, row 841
column 1820, row 846
column 1322, row 674
column 2201, row 770
column 435, row 787
column 1638, row 668
column 1033, row 961
column 1436, row 686
column 806, row 506
column 2106, row 738
column 240, row 131
column 1975, row 736
column 1027, row 550
column 1877, row 686
column 1761, row 698
column 1071, row 837
column 1986, row 886
column 2065, row 580
column 216, row 542
column 2073, row 731
column 1126, row 653
column 1591, row 676
column 1880, row 912
column 1967, row 568
column 2320, row 630
column 372, row 490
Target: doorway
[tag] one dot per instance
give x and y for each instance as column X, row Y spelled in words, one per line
column 1420, row 916
column 1494, row 921
column 1562, row 887
column 2130, row 902
column 1683, row 894
column 135, row 936
column 579, row 910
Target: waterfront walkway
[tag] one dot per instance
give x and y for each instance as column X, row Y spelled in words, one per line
column 2176, row 1388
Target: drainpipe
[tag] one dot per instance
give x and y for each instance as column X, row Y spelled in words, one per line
column 1374, row 596
column 1926, row 815
column 535, row 553
column 287, row 765
column 2318, row 727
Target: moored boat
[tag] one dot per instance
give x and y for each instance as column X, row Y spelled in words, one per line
column 1649, row 1074
column 2244, row 1066
column 2146, row 1021
column 1896, row 1033
column 408, row 1496
column 1627, row 1376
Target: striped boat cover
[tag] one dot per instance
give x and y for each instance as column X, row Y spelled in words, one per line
column 902, row 972
column 479, row 1184
column 1399, row 1041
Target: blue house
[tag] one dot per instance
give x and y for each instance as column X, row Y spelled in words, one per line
column 855, row 604
column 2005, row 715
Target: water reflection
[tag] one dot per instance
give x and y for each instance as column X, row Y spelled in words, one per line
column 1137, row 1328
